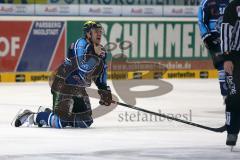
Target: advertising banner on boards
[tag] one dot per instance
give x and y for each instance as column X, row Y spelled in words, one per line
column 100, row 10
column 31, row 45
column 20, row 9
column 57, row 10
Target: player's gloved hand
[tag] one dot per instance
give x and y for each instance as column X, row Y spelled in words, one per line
column 105, row 96
column 99, row 50
column 218, row 59
column 211, row 42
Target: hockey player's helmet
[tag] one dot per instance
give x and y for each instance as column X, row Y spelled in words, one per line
column 87, row 26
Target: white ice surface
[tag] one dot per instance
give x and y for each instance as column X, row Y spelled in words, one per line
column 109, row 138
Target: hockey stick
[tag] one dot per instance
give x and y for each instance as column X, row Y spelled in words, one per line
column 220, row 129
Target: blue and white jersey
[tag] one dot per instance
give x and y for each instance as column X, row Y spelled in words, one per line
column 210, row 15
column 90, row 66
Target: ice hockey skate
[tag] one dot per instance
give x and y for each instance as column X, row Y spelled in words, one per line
column 231, row 140
column 25, row 117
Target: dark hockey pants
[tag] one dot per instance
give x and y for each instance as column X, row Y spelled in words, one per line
column 72, row 110
column 233, row 98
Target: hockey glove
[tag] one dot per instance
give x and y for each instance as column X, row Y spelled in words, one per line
column 211, row 43
column 105, row 96
column 218, row 59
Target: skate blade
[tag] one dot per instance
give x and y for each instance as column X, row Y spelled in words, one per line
column 14, row 119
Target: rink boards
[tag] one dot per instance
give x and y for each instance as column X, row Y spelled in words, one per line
column 32, row 47
column 44, row 76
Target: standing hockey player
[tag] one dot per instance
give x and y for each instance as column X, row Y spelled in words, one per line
column 230, row 36
column 209, row 19
column 71, row 106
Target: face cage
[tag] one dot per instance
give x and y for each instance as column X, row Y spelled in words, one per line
column 99, row 29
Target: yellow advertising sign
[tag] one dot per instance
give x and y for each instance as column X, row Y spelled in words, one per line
column 116, row 75
column 25, row 76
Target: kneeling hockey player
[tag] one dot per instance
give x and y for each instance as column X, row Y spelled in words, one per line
column 86, row 61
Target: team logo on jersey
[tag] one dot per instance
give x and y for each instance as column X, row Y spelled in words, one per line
column 221, row 10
